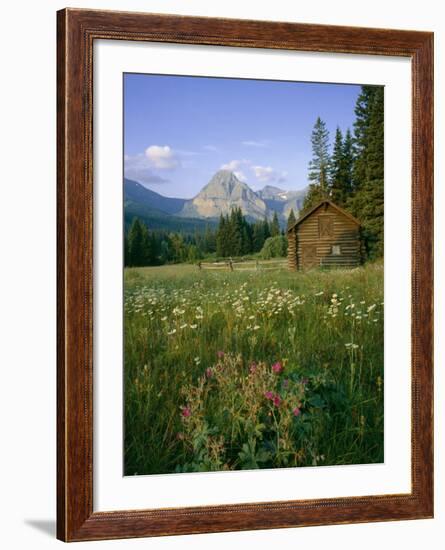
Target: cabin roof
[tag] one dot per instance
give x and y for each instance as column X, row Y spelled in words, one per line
column 324, row 201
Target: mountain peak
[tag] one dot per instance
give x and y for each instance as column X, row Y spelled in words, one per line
column 224, row 179
column 271, row 189
column 223, row 193
column 271, row 192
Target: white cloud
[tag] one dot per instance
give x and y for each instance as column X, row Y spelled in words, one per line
column 235, row 165
column 138, row 167
column 232, row 165
column 162, row 157
column 266, row 174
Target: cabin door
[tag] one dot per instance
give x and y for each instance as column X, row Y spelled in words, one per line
column 309, row 256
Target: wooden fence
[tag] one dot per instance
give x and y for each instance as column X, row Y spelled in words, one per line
column 247, row 265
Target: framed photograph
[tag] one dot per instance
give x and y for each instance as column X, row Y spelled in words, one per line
column 245, row 229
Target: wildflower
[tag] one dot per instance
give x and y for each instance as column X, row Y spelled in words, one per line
column 277, row 400
column 209, row 372
column 170, row 332
column 193, row 326
column 197, row 360
column 220, row 354
column 296, row 411
column 268, row 395
column 256, row 327
column 277, row 367
column 186, row 412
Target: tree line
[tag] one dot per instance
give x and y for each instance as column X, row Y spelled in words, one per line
column 352, row 175
column 233, row 237
column 236, row 236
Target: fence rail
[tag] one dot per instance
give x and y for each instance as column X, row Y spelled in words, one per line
column 248, row 265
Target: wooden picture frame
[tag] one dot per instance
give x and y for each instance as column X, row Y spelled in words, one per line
column 77, row 31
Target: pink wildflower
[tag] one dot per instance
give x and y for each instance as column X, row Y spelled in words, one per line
column 296, row 411
column 277, row 367
column 220, row 354
column 186, row 412
column 277, row 400
column 269, row 395
column 209, row 372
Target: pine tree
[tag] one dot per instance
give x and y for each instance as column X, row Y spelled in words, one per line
column 126, row 251
column 363, row 110
column 209, row 244
column 235, row 233
column 148, row 247
column 313, row 196
column 136, row 238
column 348, row 164
column 266, row 229
column 374, row 187
column 336, row 171
column 367, row 201
column 319, row 165
column 275, row 225
column 340, row 173
column 221, row 237
column 258, row 236
column 291, row 219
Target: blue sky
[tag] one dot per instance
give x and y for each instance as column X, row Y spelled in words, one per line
column 178, row 131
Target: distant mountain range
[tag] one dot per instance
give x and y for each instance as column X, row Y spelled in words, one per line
column 223, row 192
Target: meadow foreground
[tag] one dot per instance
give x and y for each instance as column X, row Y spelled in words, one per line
column 254, row 369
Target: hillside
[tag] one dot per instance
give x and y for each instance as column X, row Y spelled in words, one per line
column 219, row 196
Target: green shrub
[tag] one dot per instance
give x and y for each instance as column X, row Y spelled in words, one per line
column 274, row 247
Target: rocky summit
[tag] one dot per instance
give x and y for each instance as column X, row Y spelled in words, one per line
column 223, row 193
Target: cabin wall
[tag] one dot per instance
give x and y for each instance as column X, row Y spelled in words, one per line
column 292, row 250
column 317, row 234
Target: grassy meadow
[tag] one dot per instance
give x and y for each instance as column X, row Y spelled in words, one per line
column 252, row 369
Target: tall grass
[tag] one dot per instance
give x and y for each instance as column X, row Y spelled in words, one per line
column 252, row 370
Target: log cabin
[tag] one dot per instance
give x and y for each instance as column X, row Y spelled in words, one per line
column 325, row 236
